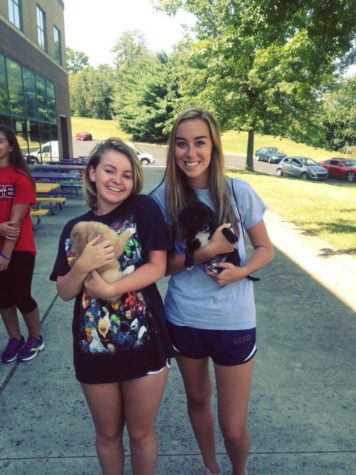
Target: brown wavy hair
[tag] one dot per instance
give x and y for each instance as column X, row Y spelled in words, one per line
column 112, row 143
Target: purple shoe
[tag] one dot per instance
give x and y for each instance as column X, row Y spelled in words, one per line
column 30, row 349
column 12, row 349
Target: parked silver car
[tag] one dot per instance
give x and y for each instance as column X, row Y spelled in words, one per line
column 301, row 167
column 145, row 158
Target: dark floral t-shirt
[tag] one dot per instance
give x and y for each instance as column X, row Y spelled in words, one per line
column 133, row 325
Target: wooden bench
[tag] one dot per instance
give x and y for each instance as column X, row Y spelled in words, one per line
column 55, row 203
column 38, row 214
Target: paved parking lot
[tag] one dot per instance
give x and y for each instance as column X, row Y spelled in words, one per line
column 303, row 406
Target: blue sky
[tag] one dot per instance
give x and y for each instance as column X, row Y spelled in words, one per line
column 94, row 26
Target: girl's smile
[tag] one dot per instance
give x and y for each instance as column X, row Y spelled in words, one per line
column 113, row 178
column 193, row 149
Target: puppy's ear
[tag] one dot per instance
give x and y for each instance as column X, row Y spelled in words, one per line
column 230, row 236
column 78, row 238
column 92, row 231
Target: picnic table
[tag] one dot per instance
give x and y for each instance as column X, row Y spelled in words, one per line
column 36, row 212
column 44, row 195
column 46, row 188
column 74, row 161
column 70, row 182
column 56, row 176
column 55, row 167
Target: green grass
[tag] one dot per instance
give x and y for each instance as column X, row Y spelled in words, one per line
column 236, row 142
column 326, row 210
column 100, row 129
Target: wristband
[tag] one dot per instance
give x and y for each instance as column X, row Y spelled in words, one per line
column 5, row 257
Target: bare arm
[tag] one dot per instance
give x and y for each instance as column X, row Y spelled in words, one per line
column 9, row 230
column 18, row 213
column 217, row 245
column 94, row 255
column 262, row 255
column 145, row 275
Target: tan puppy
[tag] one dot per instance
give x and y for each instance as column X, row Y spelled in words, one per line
column 85, row 231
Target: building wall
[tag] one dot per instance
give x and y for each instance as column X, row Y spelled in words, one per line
column 22, row 47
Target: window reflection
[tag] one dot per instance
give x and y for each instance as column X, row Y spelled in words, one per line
column 30, row 93
column 41, row 28
column 41, row 98
column 27, row 105
column 57, row 45
column 15, row 13
column 15, row 87
column 4, row 96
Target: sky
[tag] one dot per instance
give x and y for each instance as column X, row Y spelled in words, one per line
column 94, row 26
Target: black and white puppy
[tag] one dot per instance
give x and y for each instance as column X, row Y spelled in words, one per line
column 198, row 223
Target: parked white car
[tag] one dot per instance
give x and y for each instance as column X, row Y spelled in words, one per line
column 49, row 152
column 145, row 158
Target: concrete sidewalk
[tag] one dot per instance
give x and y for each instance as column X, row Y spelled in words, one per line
column 303, row 409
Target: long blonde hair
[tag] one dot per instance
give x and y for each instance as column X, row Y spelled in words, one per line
column 95, row 156
column 178, row 193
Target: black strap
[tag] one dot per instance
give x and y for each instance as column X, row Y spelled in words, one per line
column 250, row 277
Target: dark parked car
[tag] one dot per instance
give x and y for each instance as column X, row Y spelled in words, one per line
column 83, row 136
column 301, row 167
column 343, row 169
column 269, row 154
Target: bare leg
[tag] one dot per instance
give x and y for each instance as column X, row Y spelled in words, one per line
column 233, row 388
column 142, row 398
column 197, row 382
column 11, row 322
column 33, row 323
column 106, row 406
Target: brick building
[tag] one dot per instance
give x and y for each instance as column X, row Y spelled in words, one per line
column 34, row 94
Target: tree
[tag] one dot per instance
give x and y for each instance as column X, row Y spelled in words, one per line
column 259, row 64
column 339, row 115
column 91, row 92
column 141, row 99
column 129, row 46
column 76, row 61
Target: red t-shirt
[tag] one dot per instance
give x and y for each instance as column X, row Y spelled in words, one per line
column 17, row 188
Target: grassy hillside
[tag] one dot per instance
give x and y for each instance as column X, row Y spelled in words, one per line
column 235, row 142
column 326, row 210
column 100, row 129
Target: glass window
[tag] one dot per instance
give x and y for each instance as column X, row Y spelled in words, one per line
column 53, row 132
column 16, row 96
column 15, row 13
column 5, row 120
column 41, row 28
column 44, row 137
column 4, row 97
column 57, row 45
column 30, row 93
column 33, row 130
column 51, row 103
column 20, row 129
column 41, row 98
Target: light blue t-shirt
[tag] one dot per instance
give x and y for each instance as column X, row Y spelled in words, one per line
column 193, row 298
